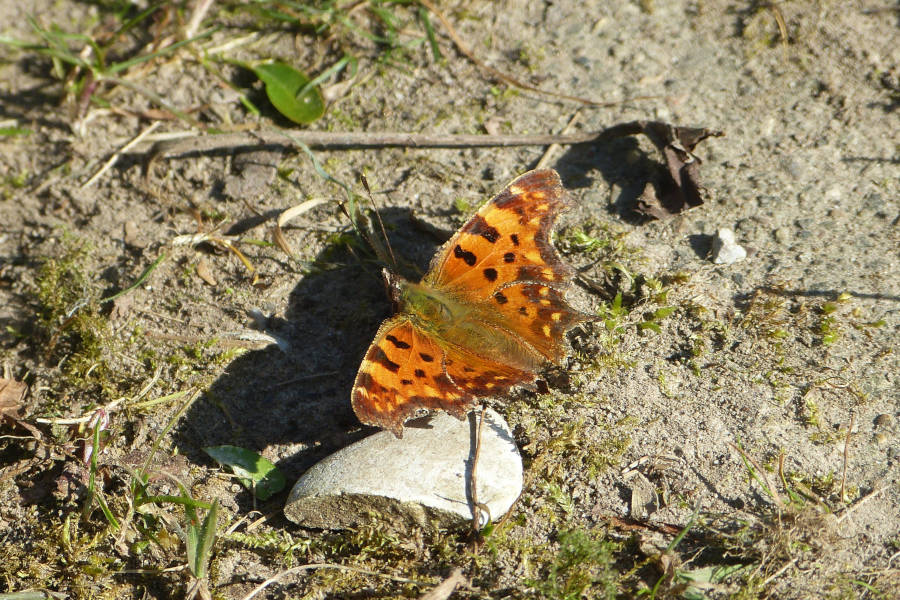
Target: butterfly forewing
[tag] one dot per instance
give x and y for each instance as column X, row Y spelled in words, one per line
column 507, row 240
column 504, row 257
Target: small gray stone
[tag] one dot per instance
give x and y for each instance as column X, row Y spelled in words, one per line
column 420, row 480
column 725, row 250
column 782, row 235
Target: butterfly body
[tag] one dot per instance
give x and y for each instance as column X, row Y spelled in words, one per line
column 454, row 322
column 487, row 316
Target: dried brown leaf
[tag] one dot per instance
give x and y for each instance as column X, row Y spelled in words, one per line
column 12, row 397
column 680, row 190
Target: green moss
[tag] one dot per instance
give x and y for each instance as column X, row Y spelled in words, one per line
column 584, row 562
column 69, row 555
column 11, row 182
column 71, row 331
column 579, row 447
column 462, row 206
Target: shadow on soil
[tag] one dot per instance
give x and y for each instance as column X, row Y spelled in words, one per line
column 300, row 396
column 626, row 166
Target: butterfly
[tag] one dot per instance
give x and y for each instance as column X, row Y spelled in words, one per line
column 487, row 316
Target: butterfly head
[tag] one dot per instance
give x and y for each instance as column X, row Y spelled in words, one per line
column 428, row 307
column 395, row 285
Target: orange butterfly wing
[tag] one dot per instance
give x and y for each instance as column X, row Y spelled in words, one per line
column 503, row 257
column 501, row 264
column 406, row 370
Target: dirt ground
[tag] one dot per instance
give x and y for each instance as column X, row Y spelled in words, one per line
column 758, row 402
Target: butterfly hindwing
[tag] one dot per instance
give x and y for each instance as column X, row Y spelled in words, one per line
column 402, row 372
column 480, row 376
column 539, row 314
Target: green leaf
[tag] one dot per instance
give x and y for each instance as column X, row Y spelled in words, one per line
column 665, row 311
column 707, row 576
column 255, row 472
column 649, row 325
column 290, row 93
column 429, row 31
column 14, row 131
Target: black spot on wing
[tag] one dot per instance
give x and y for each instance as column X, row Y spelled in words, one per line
column 490, row 274
column 466, row 256
column 397, row 343
column 509, row 257
column 478, row 226
column 382, row 359
column 500, row 298
column 426, row 357
column 515, row 239
column 419, row 373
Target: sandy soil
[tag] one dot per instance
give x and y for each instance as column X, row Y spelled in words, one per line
column 779, row 354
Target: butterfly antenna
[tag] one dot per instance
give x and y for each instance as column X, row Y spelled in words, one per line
column 387, row 242
column 360, row 230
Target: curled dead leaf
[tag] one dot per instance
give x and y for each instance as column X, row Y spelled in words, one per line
column 12, row 405
column 204, row 272
column 289, row 214
column 680, row 189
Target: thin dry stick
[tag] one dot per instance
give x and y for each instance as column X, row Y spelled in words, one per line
column 387, row 242
column 289, row 214
column 444, row 589
column 200, row 9
column 846, row 458
column 503, row 76
column 314, row 566
column 850, row 509
column 109, row 408
column 477, row 507
column 193, row 143
column 115, row 157
column 782, row 26
column 355, row 139
column 777, row 573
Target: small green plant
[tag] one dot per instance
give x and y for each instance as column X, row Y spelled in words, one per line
column 69, row 319
column 829, row 327
column 279, row 541
column 585, row 561
column 199, row 537
column 462, row 206
column 560, row 498
column 254, row 471
column 290, row 91
column 89, row 73
column 651, row 321
column 17, row 181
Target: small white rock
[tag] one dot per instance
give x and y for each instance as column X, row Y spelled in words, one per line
column 725, row 250
column 420, row 480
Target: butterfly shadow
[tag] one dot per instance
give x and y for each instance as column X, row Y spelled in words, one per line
column 293, row 400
